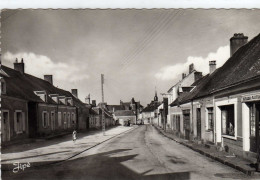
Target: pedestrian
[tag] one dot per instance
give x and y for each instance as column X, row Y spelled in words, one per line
column 74, row 136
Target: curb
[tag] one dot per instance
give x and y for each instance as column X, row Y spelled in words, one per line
column 78, row 153
column 210, row 155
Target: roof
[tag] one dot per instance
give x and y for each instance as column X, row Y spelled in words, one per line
column 23, row 86
column 97, row 110
column 188, row 96
column 112, row 108
column 124, row 113
column 242, row 66
column 151, row 107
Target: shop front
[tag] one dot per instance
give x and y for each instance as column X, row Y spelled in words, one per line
column 251, row 111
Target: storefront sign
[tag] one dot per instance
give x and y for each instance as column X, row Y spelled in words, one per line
column 251, row 98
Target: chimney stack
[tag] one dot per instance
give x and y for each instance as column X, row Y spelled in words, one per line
column 197, row 76
column 19, row 66
column 48, row 78
column 74, row 92
column 94, row 103
column 191, row 68
column 212, row 66
column 237, row 41
column 183, row 75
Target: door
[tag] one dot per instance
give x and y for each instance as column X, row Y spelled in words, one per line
column 198, row 123
column 52, row 121
column 186, row 123
column 254, row 127
column 6, row 126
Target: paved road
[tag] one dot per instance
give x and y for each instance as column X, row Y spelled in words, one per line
column 140, row 154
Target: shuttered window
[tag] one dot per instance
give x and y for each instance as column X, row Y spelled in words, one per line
column 59, row 119
column 45, row 119
column 19, row 122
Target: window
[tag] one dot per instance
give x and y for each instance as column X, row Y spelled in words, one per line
column 176, row 119
column 52, row 120
column 3, row 87
column 45, row 119
column 19, row 122
column 210, row 118
column 68, row 120
column 59, row 119
column 64, row 121
column 252, row 121
column 72, row 118
column 227, row 118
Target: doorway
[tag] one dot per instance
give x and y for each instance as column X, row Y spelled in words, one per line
column 254, row 127
column 6, row 126
column 198, row 123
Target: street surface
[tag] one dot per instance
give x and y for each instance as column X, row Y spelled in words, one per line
column 142, row 153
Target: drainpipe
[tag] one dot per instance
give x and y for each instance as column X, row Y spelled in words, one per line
column 215, row 122
column 191, row 132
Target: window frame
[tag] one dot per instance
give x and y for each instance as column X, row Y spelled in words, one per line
column 47, row 119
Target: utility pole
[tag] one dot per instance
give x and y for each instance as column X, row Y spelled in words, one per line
column 102, row 106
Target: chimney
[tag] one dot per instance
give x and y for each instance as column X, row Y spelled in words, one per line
column 212, row 66
column 48, row 78
column 19, row 66
column 183, row 75
column 237, row 41
column 94, row 103
column 197, row 76
column 74, row 92
column 191, row 68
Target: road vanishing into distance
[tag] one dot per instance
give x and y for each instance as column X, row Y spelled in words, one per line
column 142, row 153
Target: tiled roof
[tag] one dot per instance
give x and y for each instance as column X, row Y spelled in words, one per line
column 188, row 96
column 23, row 86
column 115, row 107
column 242, row 66
column 124, row 113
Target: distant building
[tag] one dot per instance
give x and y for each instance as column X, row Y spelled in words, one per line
column 125, row 116
column 150, row 112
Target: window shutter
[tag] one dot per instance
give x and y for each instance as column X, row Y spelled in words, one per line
column 15, row 122
column 48, row 119
column 23, row 119
column 42, row 119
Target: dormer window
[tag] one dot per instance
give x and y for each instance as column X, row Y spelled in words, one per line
column 42, row 95
column 54, row 97
column 70, row 101
column 63, row 100
column 3, row 87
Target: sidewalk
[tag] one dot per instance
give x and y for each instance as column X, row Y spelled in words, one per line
column 238, row 163
column 56, row 150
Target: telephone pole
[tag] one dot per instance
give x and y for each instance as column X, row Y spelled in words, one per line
column 102, row 105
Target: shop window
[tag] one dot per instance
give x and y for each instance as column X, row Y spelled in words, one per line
column 19, row 122
column 252, row 121
column 210, row 118
column 228, row 120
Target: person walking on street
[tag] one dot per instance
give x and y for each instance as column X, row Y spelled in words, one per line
column 74, row 136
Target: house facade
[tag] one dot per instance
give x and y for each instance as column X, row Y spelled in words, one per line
column 32, row 107
column 223, row 107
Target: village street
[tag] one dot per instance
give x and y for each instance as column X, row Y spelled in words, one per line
column 140, row 153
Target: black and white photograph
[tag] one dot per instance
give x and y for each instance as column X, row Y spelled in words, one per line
column 129, row 94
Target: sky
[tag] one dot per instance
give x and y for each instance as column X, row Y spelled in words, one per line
column 136, row 50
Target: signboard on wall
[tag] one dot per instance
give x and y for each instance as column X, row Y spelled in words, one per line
column 248, row 98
